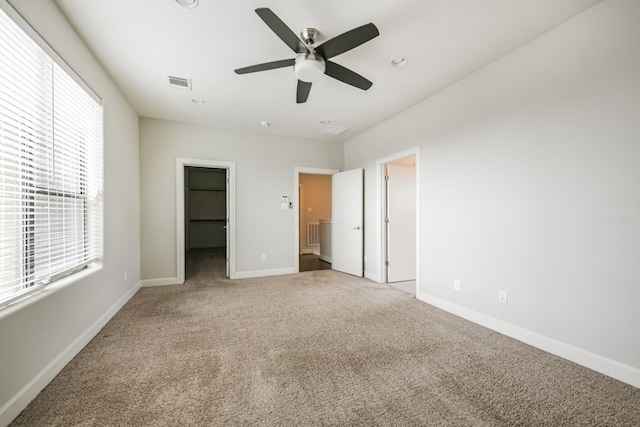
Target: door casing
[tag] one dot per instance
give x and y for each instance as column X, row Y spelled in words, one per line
column 181, row 163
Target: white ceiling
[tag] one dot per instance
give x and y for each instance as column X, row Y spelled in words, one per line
column 142, row 42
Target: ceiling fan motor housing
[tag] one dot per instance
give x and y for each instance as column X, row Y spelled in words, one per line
column 312, row 62
column 309, row 67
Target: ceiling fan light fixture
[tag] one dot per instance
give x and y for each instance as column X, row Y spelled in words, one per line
column 188, row 3
column 309, row 68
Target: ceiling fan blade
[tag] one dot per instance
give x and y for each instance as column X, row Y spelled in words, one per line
column 347, row 76
column 281, row 30
column 347, row 41
column 266, row 66
column 303, row 92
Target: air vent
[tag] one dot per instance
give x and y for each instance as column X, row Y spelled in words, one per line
column 335, row 130
column 180, row 82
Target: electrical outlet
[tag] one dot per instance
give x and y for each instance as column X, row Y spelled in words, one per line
column 456, row 285
column 263, row 257
column 125, row 275
column 502, row 297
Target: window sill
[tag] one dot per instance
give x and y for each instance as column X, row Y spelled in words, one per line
column 50, row 289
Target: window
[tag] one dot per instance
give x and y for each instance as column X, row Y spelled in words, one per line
column 50, row 168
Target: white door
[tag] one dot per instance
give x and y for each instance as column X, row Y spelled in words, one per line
column 401, row 223
column 347, row 222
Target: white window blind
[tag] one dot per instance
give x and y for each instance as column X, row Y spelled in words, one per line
column 50, row 168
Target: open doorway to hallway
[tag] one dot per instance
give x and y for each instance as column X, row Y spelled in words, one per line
column 314, row 212
column 312, row 205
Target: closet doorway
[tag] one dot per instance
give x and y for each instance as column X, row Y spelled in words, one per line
column 204, row 190
column 206, row 217
column 399, row 190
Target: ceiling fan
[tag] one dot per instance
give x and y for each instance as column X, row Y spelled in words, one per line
column 311, row 62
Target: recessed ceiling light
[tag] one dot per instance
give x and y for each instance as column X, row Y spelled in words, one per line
column 265, row 124
column 188, row 3
column 325, row 122
column 398, row 61
column 198, row 101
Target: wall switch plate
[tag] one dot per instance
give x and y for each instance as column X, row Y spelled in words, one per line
column 502, row 297
column 126, row 275
column 456, row 285
column 263, row 257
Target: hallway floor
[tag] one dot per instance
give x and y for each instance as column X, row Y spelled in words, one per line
column 311, row 262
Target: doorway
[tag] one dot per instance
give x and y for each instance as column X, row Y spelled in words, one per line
column 205, row 216
column 312, row 218
column 314, row 211
column 400, row 220
column 205, row 223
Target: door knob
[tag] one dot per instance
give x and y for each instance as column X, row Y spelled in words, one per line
column 356, row 228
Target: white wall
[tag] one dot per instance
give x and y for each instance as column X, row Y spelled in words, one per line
column 38, row 338
column 530, row 173
column 264, row 169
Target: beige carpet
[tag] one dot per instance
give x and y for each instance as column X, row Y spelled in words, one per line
column 318, row 348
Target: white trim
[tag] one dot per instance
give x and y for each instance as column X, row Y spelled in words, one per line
column 181, row 162
column 264, row 273
column 160, row 282
column 380, row 203
column 12, row 408
column 297, row 170
column 606, row 366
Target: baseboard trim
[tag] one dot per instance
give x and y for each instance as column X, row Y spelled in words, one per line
column 264, row 273
column 372, row 276
column 620, row 371
column 306, row 251
column 160, row 282
column 325, row 258
column 21, row 399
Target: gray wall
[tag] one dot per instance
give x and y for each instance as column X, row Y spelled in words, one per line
column 530, row 183
column 38, row 337
column 264, row 169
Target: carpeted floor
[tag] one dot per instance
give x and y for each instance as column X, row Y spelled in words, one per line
column 317, row 348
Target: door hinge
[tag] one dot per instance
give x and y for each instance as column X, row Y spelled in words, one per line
column 386, row 263
column 386, row 220
column 386, row 177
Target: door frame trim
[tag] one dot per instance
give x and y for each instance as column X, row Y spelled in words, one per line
column 297, row 170
column 181, row 163
column 381, row 200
